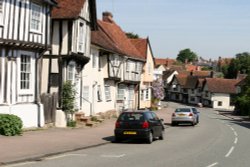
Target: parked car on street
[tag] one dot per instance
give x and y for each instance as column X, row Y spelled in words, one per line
column 140, row 124
column 184, row 115
column 197, row 113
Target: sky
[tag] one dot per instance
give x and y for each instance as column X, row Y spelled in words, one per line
column 210, row 28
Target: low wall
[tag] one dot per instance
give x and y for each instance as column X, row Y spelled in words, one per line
column 32, row 115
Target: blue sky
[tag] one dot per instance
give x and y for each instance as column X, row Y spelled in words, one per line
column 210, row 28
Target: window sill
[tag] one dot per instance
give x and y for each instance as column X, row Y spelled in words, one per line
column 36, row 32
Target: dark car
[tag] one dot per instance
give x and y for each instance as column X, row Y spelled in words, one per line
column 139, row 125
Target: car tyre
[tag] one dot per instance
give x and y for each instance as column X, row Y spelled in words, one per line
column 161, row 137
column 150, row 138
column 173, row 123
column 117, row 139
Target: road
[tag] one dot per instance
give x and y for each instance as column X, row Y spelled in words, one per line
column 216, row 141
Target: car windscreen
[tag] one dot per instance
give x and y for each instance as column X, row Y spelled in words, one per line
column 131, row 117
column 182, row 110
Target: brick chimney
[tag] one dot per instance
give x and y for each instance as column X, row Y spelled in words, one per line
column 107, row 17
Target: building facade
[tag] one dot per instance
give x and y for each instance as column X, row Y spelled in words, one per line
column 24, row 37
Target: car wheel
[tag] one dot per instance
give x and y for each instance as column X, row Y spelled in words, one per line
column 173, row 123
column 150, row 138
column 193, row 123
column 161, row 137
column 118, row 139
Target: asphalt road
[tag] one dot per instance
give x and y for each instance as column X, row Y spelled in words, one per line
column 216, row 141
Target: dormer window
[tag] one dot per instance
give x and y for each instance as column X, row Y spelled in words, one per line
column 71, row 71
column 81, row 38
column 35, row 22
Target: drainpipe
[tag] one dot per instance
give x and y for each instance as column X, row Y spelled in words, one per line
column 38, row 86
column 93, row 98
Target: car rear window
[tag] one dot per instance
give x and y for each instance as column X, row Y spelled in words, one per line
column 131, row 117
column 182, row 110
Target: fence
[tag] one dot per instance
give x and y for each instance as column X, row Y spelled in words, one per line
column 49, row 102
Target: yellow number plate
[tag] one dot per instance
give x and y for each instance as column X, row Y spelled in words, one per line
column 129, row 133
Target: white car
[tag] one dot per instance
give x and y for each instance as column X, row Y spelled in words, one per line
column 184, row 115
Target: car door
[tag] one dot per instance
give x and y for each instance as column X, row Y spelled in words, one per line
column 156, row 124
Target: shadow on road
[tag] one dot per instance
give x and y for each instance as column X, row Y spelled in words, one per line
column 109, row 138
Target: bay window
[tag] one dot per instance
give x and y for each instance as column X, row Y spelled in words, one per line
column 35, row 18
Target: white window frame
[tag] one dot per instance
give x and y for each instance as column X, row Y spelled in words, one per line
column 121, row 92
column 95, row 60
column 81, row 37
column 147, row 94
column 128, row 66
column 31, row 70
column 71, row 72
column 107, row 92
column 35, row 15
column 85, row 93
column 142, row 95
column 1, row 11
column 99, row 93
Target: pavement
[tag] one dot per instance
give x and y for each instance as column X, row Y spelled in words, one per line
column 38, row 144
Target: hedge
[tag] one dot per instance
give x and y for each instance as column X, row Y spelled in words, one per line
column 10, row 125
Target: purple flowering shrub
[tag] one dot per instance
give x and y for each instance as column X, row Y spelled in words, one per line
column 158, row 93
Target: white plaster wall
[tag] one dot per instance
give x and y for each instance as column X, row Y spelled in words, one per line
column 224, row 98
column 169, row 79
column 29, row 113
column 45, row 73
column 93, row 77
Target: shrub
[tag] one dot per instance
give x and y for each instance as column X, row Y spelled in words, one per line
column 10, row 125
column 71, row 123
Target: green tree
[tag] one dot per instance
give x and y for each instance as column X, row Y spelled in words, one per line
column 188, row 55
column 68, row 101
column 241, row 63
column 132, row 35
column 242, row 102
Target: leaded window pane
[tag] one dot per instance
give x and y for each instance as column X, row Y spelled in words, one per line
column 25, row 72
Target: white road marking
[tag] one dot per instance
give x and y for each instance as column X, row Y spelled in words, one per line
column 230, row 151
column 113, row 156
column 65, row 155
column 232, row 128
column 236, row 140
column 20, row 164
column 216, row 163
column 235, row 133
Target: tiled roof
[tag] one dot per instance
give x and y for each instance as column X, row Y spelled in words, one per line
column 67, row 9
column 190, row 67
column 220, row 85
column 178, row 68
column 201, row 73
column 242, row 82
column 141, row 45
column 191, row 82
column 182, row 79
column 100, row 38
column 161, row 61
column 119, row 38
column 167, row 74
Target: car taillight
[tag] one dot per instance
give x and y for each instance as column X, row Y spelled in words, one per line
column 173, row 115
column 117, row 124
column 145, row 125
column 191, row 114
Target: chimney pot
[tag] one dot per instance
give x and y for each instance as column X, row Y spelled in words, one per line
column 107, row 17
